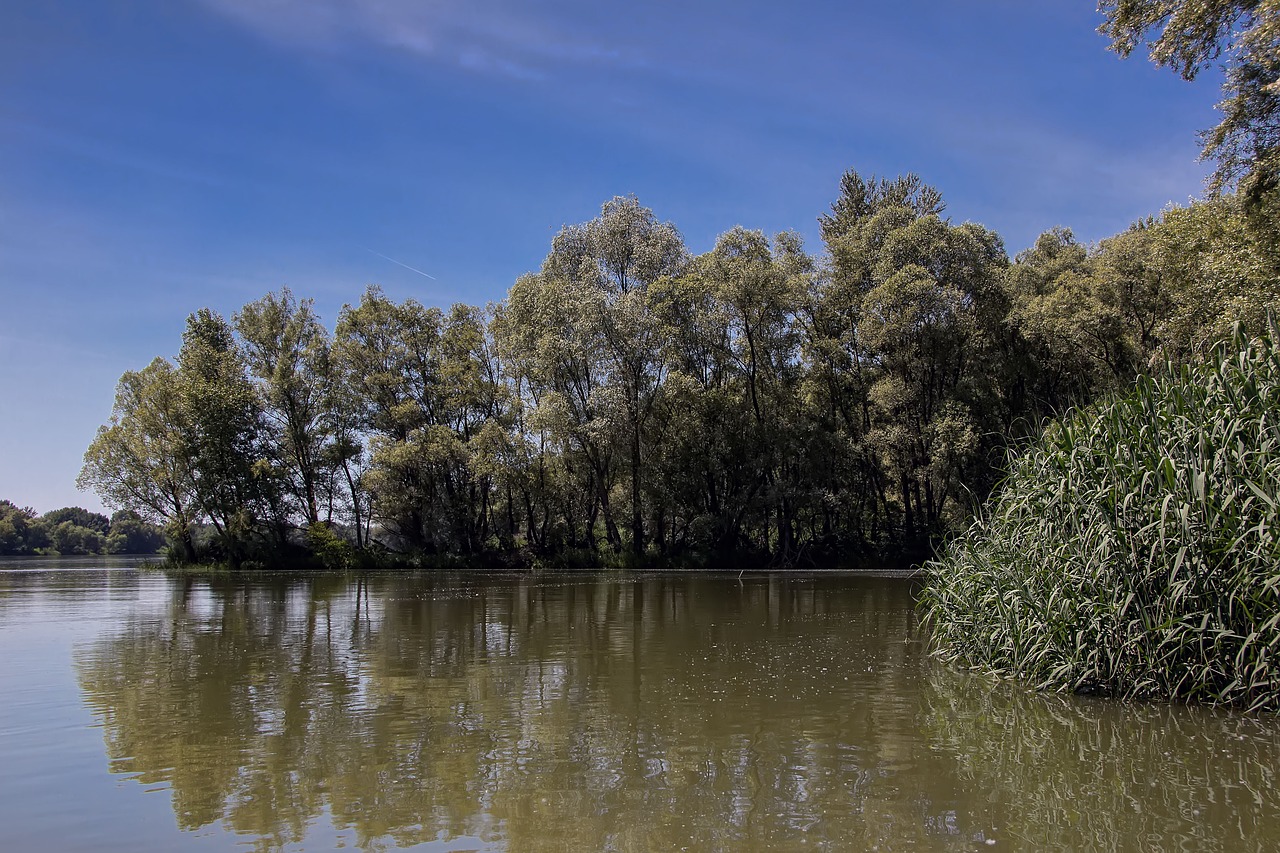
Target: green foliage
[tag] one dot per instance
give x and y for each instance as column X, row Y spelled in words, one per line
column 69, row 538
column 286, row 350
column 1077, row 343
column 1133, row 550
column 330, row 550
column 131, row 534
column 79, row 517
column 234, row 480
column 423, row 386
column 1216, row 272
column 751, row 404
column 74, row 530
column 140, row 461
column 584, row 332
column 906, row 340
column 21, row 532
column 1187, row 37
column 70, row 530
column 1087, row 320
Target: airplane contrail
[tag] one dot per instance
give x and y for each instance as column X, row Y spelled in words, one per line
column 398, row 263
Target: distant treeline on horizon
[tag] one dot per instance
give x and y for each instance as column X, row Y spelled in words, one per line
column 631, row 403
column 75, row 530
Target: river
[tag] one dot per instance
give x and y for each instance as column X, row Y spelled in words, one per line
column 580, row 712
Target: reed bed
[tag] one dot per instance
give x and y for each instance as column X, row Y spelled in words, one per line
column 1133, row 550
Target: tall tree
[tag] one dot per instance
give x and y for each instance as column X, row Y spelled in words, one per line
column 1215, row 269
column 538, row 458
column 1073, row 342
column 613, row 259
column 550, row 328
column 141, row 460
column 926, row 305
column 751, row 291
column 235, row 483
column 346, row 418
column 388, row 355
column 430, row 385
column 287, row 352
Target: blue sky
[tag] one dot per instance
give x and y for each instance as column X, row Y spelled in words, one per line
column 157, row 156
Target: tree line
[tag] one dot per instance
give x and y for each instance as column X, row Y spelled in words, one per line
column 75, row 530
column 632, row 402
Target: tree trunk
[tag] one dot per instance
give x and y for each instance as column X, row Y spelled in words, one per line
column 188, row 545
column 637, row 516
column 908, row 521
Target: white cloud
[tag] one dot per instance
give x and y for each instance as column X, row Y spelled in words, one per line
column 495, row 37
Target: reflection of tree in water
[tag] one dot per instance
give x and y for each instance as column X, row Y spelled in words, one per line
column 663, row 713
column 46, row 583
column 561, row 714
column 1078, row 774
column 216, row 695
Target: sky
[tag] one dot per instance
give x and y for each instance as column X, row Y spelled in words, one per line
column 159, row 156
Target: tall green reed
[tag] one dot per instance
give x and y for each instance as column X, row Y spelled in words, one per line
column 1133, row 550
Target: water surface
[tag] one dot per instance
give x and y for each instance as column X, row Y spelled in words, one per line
column 574, row 713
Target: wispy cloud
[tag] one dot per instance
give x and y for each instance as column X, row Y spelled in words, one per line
column 499, row 37
column 1043, row 174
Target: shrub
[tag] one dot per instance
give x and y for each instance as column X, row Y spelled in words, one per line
column 330, row 550
column 1133, row 551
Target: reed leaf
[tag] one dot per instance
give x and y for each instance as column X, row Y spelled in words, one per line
column 1133, row 550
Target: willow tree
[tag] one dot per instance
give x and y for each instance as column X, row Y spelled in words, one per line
column 475, row 406
column 236, row 486
column 388, row 355
column 141, row 459
column 616, row 257
column 1071, row 340
column 584, row 332
column 1188, row 36
column 550, row 329
column 1216, row 270
column 186, row 444
column 734, row 424
column 433, row 399
column 923, row 304
column 287, row 352
column 1091, row 319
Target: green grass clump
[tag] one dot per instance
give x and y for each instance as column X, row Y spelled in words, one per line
column 1133, row 550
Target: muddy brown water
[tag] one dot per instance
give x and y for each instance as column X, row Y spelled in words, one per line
column 455, row 712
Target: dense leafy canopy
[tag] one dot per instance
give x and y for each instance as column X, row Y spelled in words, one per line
column 632, row 402
column 74, row 530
